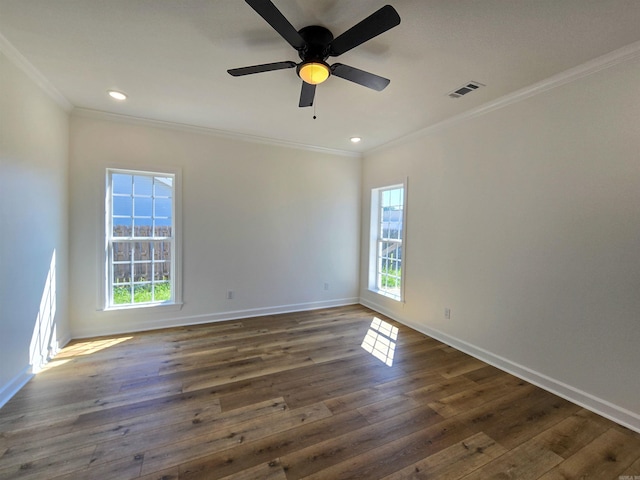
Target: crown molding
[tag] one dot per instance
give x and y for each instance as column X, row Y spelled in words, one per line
column 33, row 73
column 181, row 127
column 627, row 53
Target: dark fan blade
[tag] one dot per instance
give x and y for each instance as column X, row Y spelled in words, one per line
column 372, row 26
column 280, row 24
column 307, row 94
column 359, row 76
column 266, row 67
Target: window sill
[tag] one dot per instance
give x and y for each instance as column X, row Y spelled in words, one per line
column 389, row 295
column 174, row 306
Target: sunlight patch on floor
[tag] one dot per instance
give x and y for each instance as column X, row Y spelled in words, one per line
column 53, row 364
column 380, row 340
column 89, row 347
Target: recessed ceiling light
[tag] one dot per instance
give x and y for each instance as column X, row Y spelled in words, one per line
column 355, row 139
column 117, row 95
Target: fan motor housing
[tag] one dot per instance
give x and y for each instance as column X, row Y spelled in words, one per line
column 317, row 39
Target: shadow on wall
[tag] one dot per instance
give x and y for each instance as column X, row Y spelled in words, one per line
column 44, row 344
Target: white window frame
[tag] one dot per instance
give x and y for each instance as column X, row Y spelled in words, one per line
column 376, row 241
column 175, row 240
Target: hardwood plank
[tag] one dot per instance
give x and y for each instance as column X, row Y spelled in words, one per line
column 218, row 440
column 473, row 397
column 172, row 473
column 323, row 455
column 606, row 457
column 462, row 367
column 266, row 471
column 77, row 459
column 390, row 455
column 485, row 374
column 266, row 449
column 441, row 388
column 388, row 408
column 453, row 462
column 126, row 468
column 540, row 411
column 632, row 472
column 526, row 462
column 158, row 436
column 572, row 434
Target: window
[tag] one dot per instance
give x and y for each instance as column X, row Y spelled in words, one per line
column 387, row 228
column 140, row 238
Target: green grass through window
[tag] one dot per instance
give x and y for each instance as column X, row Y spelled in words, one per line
column 141, row 293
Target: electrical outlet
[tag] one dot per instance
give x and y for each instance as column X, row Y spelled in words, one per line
column 229, row 294
column 447, row 313
column 326, row 286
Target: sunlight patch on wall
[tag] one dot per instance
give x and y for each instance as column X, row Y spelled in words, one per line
column 44, row 343
column 380, row 340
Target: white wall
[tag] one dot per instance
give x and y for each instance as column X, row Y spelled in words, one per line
column 525, row 222
column 33, row 227
column 271, row 223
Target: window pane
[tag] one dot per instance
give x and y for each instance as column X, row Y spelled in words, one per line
column 142, row 272
column 162, row 228
column 142, row 293
column 122, row 273
column 162, row 186
column 394, row 200
column 142, row 251
column 142, row 227
column 142, row 207
column 121, row 251
column 142, row 185
column 162, row 207
column 162, row 291
column 162, row 251
column 121, row 183
column 122, row 227
column 385, row 198
column 122, row 295
column 161, row 271
column 122, row 206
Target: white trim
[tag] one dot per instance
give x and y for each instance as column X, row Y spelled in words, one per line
column 621, row 55
column 584, row 399
column 181, row 127
column 33, row 73
column 14, row 385
column 155, row 324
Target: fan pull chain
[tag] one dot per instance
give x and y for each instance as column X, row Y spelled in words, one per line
column 315, row 101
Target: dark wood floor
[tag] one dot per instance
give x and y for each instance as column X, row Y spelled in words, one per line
column 296, row 396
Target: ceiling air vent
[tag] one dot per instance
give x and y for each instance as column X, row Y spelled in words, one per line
column 467, row 88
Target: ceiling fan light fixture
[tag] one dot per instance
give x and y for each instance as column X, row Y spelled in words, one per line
column 314, row 73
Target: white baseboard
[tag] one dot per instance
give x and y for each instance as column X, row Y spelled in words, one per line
column 597, row 405
column 14, row 385
column 101, row 330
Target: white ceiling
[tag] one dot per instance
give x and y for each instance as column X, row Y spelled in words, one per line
column 171, row 57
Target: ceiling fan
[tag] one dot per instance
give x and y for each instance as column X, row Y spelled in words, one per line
column 315, row 44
